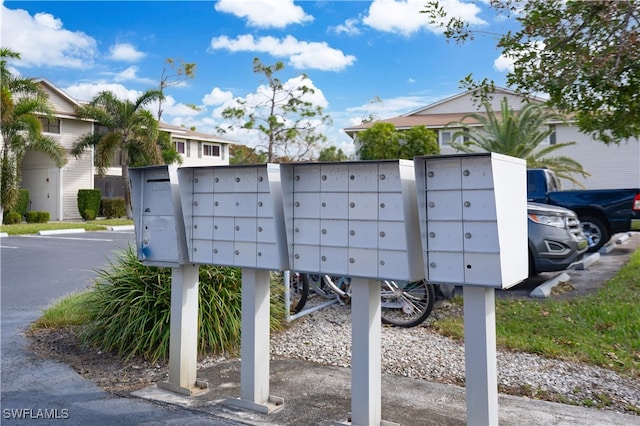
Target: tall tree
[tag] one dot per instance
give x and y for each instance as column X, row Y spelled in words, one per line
column 128, row 129
column 584, row 55
column 24, row 102
column 242, row 154
column 332, row 153
column 518, row 134
column 177, row 74
column 382, row 141
column 287, row 121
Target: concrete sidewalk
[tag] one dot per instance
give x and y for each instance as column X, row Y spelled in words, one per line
column 320, row 395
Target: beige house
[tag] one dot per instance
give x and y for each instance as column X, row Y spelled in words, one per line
column 615, row 166
column 55, row 190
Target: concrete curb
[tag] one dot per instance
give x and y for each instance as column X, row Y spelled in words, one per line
column 544, row 289
column 3, row 234
column 623, row 238
column 121, row 228
column 62, row 231
column 586, row 261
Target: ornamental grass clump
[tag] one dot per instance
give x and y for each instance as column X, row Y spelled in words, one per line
column 131, row 306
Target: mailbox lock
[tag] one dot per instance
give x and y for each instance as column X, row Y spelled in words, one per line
column 432, row 234
column 217, row 180
column 259, row 254
column 237, row 203
column 382, row 234
column 382, row 177
column 195, row 249
column 297, row 256
column 382, row 263
column 352, row 177
column 352, row 232
column 195, row 226
column 215, row 251
column 297, row 203
column 467, row 204
column 466, row 173
column 237, row 252
column 195, row 180
column 324, row 258
column 260, row 178
column 324, row 231
column 382, row 205
column 297, row 177
column 430, row 174
column 352, row 260
column 433, row 264
column 468, row 266
column 432, row 204
column 237, row 228
column 237, row 179
column 259, row 203
column 324, row 204
column 259, row 228
column 324, row 177
column 467, row 235
column 352, row 205
column 297, row 229
column 195, row 203
column 215, row 203
column 215, row 227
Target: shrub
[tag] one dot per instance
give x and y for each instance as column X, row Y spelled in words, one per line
column 23, row 202
column 114, row 208
column 88, row 199
column 132, row 305
column 11, row 218
column 89, row 215
column 37, row 217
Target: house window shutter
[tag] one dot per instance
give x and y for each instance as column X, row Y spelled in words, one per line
column 188, row 148
column 199, row 149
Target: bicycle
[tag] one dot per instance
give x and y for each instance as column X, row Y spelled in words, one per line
column 403, row 304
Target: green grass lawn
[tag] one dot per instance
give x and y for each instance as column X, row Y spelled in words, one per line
column 34, row 228
column 600, row 329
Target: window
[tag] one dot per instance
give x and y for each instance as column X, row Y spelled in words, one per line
column 50, row 126
column 180, row 147
column 99, row 129
column 210, row 150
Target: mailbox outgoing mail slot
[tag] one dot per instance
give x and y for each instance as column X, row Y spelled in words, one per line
column 473, row 218
column 157, row 216
column 355, row 218
column 233, row 216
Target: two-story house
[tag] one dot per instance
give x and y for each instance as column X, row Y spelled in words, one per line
column 55, row 190
column 613, row 166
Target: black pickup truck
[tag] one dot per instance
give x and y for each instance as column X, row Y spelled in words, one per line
column 602, row 212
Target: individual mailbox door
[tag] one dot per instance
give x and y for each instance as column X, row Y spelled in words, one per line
column 363, row 233
column 479, row 205
column 477, row 173
column 334, row 259
column 334, row 233
column 246, row 229
column 444, row 236
column 203, row 204
column 202, row 251
column 202, row 181
column 389, row 177
column 443, row 175
column 363, row 177
column 307, row 205
column 306, row 257
column 481, row 237
column 246, row 204
column 363, row 262
column 390, row 206
column 306, row 231
column 334, row 178
column 223, row 228
column 391, row 235
column 334, row 205
column 224, row 204
column 363, row 206
column 444, row 205
column 446, row 267
column 223, row 252
column 245, row 254
column 307, row 179
column 159, row 223
column 246, row 180
column 266, row 232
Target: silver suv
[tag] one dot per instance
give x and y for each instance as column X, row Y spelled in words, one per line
column 556, row 239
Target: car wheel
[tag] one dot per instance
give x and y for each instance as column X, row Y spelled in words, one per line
column 595, row 231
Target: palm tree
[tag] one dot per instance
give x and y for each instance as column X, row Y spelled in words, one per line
column 130, row 130
column 23, row 103
column 518, row 135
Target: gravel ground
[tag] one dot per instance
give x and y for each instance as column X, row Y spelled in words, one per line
column 325, row 337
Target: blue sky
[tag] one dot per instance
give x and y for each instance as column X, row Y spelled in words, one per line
column 352, row 52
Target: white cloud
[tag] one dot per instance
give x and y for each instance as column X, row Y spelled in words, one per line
column 265, row 13
column 87, row 91
column 41, row 40
column 503, row 64
column 301, row 54
column 125, row 52
column 350, row 27
column 131, row 74
column 404, row 17
column 217, row 97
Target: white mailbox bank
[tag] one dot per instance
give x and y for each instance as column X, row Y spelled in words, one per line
column 357, row 219
column 473, row 224
column 160, row 241
column 234, row 217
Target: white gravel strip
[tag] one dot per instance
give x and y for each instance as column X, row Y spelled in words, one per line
column 325, row 337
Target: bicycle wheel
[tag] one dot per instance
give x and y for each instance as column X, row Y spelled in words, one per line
column 406, row 304
column 298, row 291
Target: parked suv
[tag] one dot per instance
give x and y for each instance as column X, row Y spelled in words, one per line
column 556, row 239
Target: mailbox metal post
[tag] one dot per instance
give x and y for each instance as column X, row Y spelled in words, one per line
column 254, row 345
column 183, row 338
column 480, row 355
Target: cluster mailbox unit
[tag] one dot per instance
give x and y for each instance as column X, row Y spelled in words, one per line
column 473, row 219
column 352, row 218
column 233, row 216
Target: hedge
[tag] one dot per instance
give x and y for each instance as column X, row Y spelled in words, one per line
column 88, row 200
